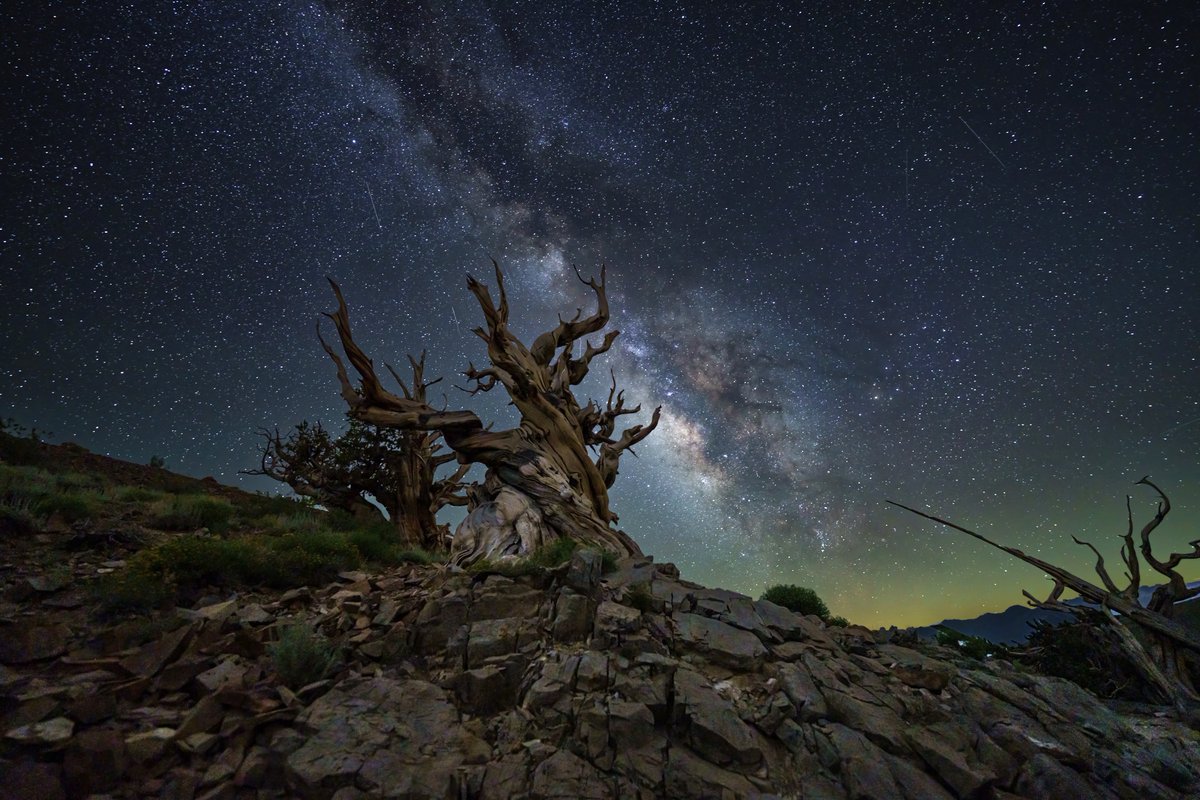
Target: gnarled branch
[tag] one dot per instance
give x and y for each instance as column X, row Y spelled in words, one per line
column 610, row 452
column 567, row 331
column 1085, row 589
column 1178, row 586
column 370, row 402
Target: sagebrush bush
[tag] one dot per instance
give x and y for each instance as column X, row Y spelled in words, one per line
column 416, row 555
column 800, row 599
column 132, row 590
column 302, row 656
column 76, row 481
column 187, row 512
column 261, row 505
column 375, row 542
column 639, row 597
column 280, row 562
column 24, row 484
column 136, row 494
column 71, row 506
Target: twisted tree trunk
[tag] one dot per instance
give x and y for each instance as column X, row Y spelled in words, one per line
column 542, row 482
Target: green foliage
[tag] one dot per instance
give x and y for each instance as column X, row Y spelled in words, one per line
column 303, row 656
column 262, row 505
column 134, row 590
column 376, row 542
column 158, row 462
column 24, row 485
column 334, row 547
column 608, row 562
column 78, row 481
column 338, row 520
column 187, row 512
column 1085, row 653
column 838, row 622
column 971, row 646
column 280, row 562
column 415, row 555
column 552, row 555
column 72, row 507
column 136, row 494
column 296, row 522
column 797, row 598
column 640, row 598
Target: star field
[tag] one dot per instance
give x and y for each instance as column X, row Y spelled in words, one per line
column 944, row 255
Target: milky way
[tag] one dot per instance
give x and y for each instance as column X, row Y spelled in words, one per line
column 946, row 256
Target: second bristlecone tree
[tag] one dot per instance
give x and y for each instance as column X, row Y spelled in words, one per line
column 397, row 469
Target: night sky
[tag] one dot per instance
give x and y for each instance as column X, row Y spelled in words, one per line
column 935, row 253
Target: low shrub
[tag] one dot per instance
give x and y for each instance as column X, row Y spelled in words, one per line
column 975, row 647
column 76, row 481
column 415, row 555
column 608, row 562
column 24, row 483
column 302, row 656
column 1085, row 652
column 640, row 598
column 552, row 555
column 376, row 542
column 132, row 590
column 318, row 541
column 71, row 506
column 261, row 505
column 136, row 494
column 295, row 522
column 797, row 598
column 187, row 512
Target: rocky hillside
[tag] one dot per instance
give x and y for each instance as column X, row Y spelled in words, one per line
column 559, row 683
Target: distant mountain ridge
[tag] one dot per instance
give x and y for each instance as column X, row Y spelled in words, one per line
column 1014, row 624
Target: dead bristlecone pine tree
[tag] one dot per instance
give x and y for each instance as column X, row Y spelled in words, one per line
column 1165, row 653
column 548, row 477
column 396, row 469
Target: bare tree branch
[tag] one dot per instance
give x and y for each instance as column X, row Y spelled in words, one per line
column 1085, row 589
column 567, row 331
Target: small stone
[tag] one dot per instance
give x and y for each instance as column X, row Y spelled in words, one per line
column 202, row 718
column 218, row 612
column 388, row 610
column 23, row 643
column 94, row 762
column 50, row 583
column 149, row 745
column 52, row 731
column 150, row 660
column 254, row 614
column 225, row 673
column 93, row 708
column 199, row 743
